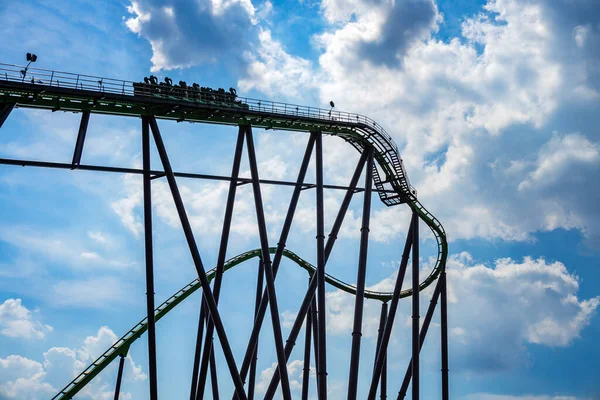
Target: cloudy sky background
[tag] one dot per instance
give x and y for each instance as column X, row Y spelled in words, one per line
column 493, row 105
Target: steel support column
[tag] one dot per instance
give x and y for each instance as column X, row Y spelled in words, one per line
column 382, row 319
column 415, row 311
column 269, row 276
column 306, row 369
column 83, row 125
column 382, row 350
column 320, row 274
column 249, row 355
column 259, row 290
column 235, row 169
column 312, row 286
column 198, row 352
column 359, row 299
column 119, row 376
column 422, row 335
column 189, row 235
column 214, row 381
column 444, row 328
column 5, row 112
column 315, row 330
column 149, row 257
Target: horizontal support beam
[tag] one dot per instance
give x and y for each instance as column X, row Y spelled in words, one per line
column 158, row 174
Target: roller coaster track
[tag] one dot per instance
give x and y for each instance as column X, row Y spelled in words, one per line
column 44, row 89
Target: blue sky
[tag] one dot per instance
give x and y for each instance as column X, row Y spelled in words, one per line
column 493, row 105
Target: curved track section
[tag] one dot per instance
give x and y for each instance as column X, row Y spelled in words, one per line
column 121, row 346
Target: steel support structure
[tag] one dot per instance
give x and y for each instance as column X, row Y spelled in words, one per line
column 233, row 184
column 306, row 366
column 189, row 235
column 252, row 342
column 320, row 275
column 148, row 245
column 312, row 312
column 269, row 275
column 423, row 333
column 385, row 339
column 119, row 376
column 382, row 319
column 312, row 286
column 444, row 336
column 83, row 125
column 415, row 309
column 5, row 112
column 359, row 299
column 259, row 290
column 198, row 348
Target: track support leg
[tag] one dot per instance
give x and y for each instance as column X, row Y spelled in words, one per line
column 306, row 369
column 5, row 112
column 309, row 297
column 423, row 334
column 83, row 125
column 385, row 339
column 189, row 235
column 197, row 353
column 322, row 338
column 249, row 355
column 208, row 342
column 444, row 327
column 415, row 310
column 361, row 276
column 119, row 376
column 149, row 251
column 269, row 275
column 259, row 290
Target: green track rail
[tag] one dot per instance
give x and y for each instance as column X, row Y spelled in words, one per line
column 61, row 91
column 121, row 346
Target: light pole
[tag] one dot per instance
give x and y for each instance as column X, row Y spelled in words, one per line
column 30, row 58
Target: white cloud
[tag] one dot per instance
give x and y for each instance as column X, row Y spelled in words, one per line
column 557, row 156
column 186, row 34
column 489, row 98
column 22, row 378
column 98, row 237
column 17, row 321
column 482, row 301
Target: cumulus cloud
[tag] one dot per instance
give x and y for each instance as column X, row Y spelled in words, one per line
column 23, row 378
column 468, row 112
column 184, row 34
column 17, row 321
column 545, row 293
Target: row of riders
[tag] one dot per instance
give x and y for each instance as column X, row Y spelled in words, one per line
column 151, row 86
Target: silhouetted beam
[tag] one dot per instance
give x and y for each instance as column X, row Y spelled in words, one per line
column 415, row 311
column 424, row 329
column 155, row 173
column 269, row 275
column 119, row 377
column 148, row 247
column 5, row 112
column 83, row 125
column 235, row 169
column 385, row 339
column 359, row 299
